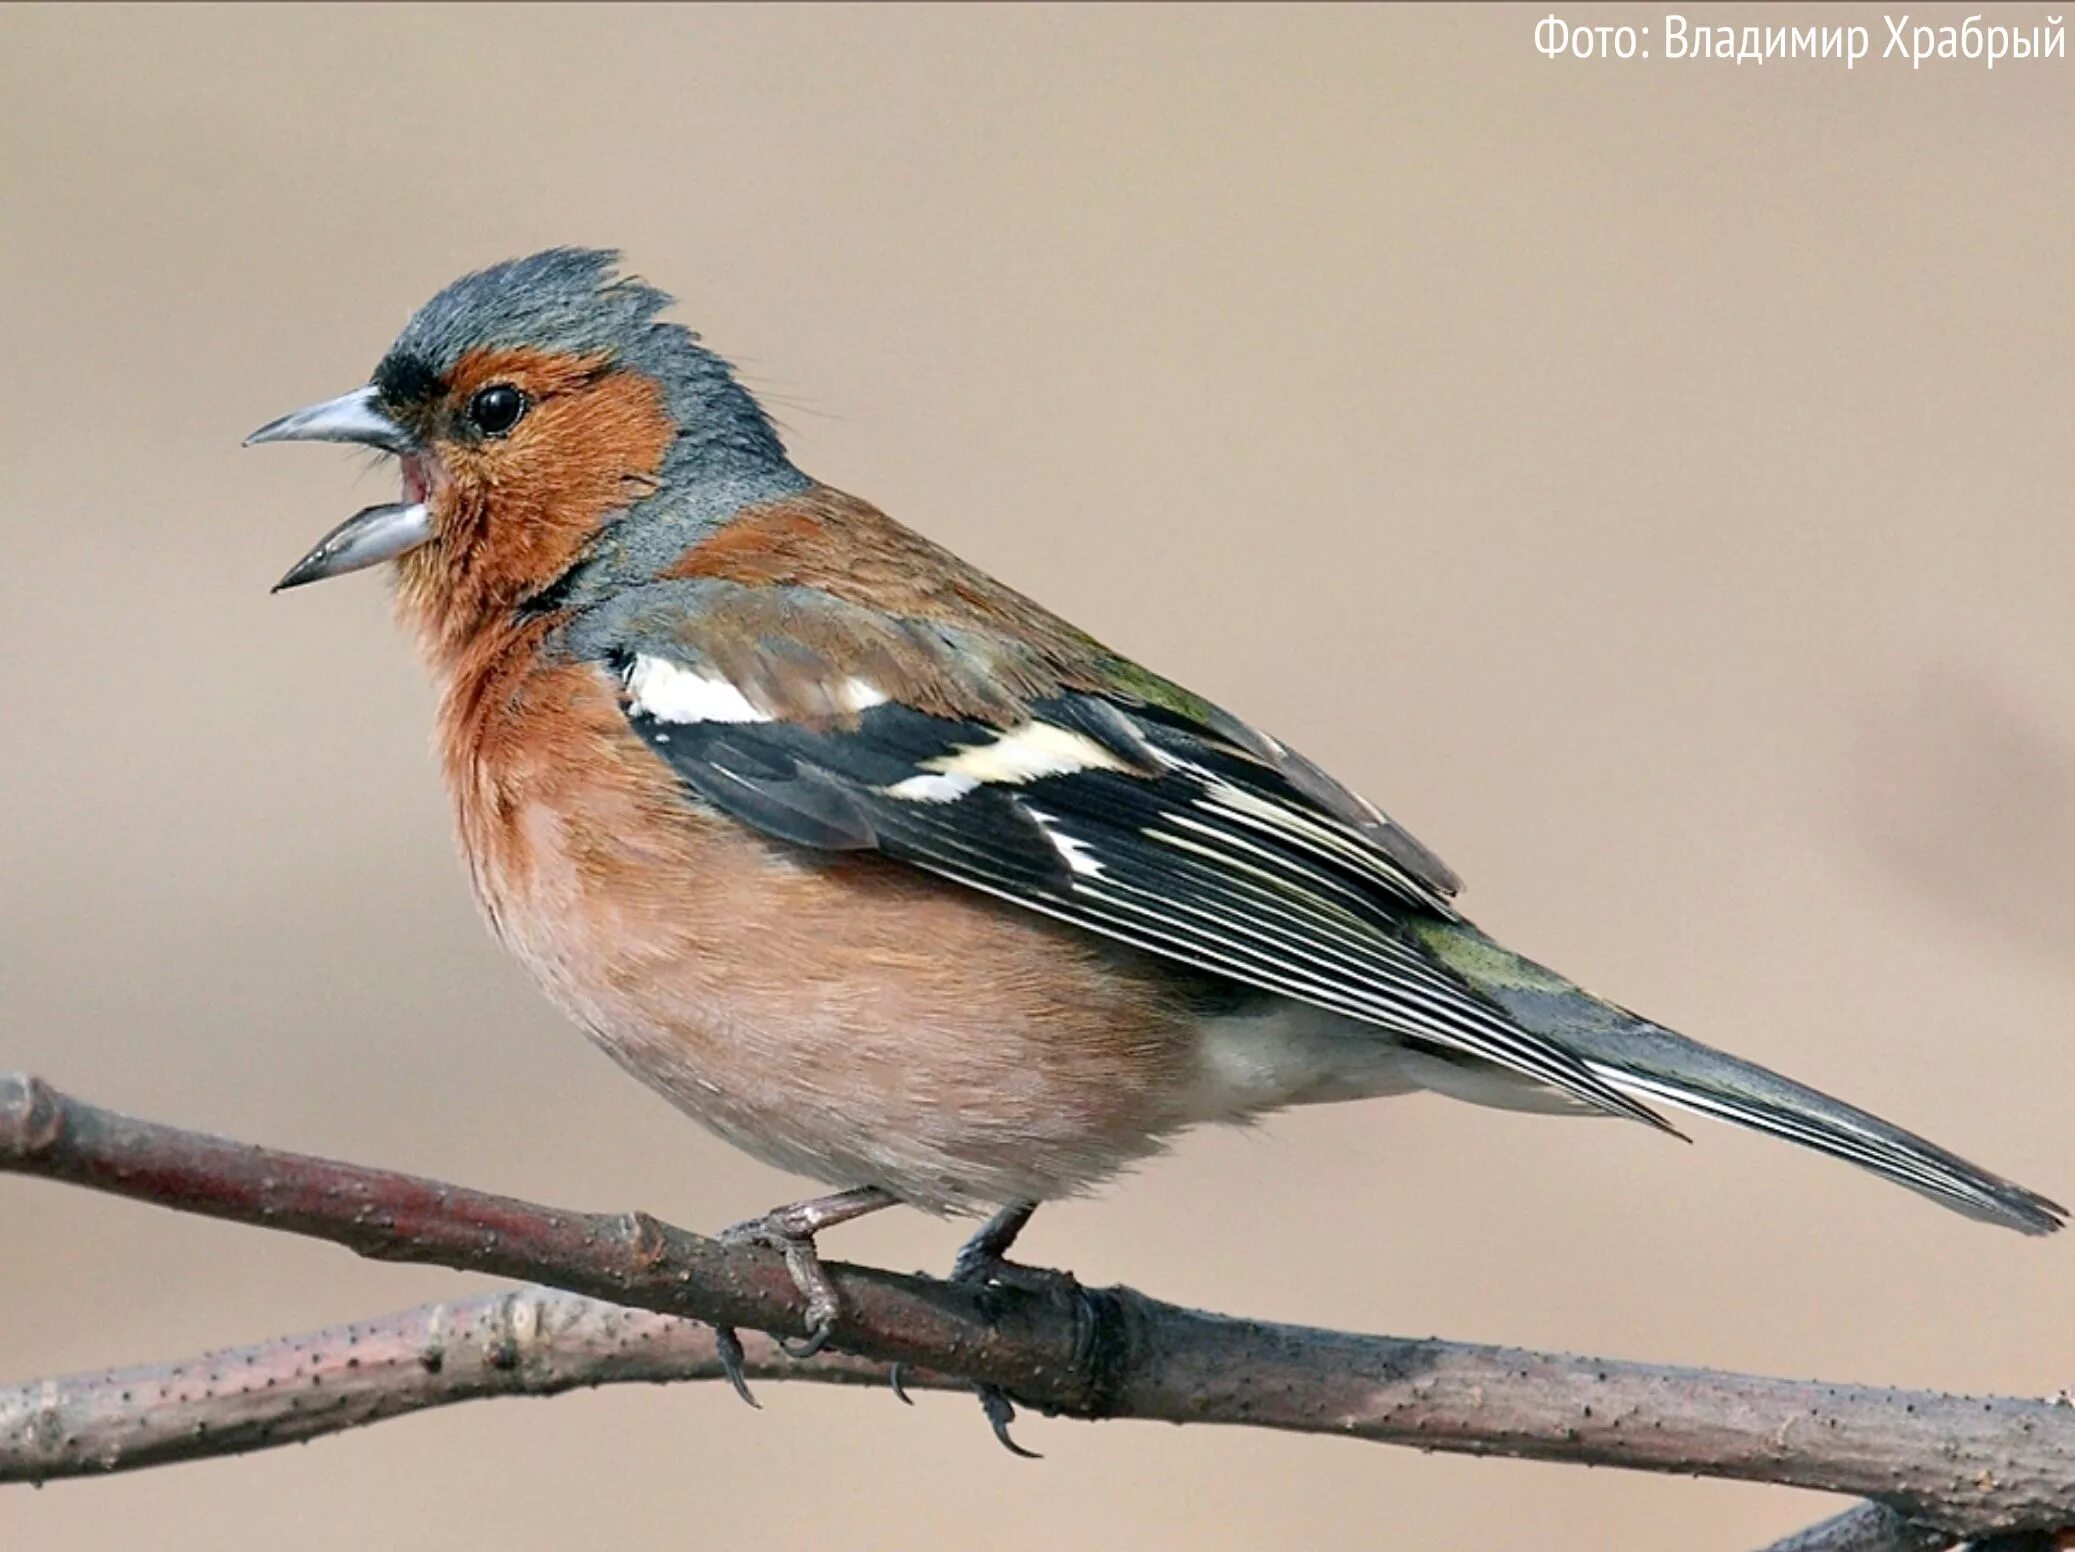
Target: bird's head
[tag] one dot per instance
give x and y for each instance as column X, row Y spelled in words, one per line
column 530, row 405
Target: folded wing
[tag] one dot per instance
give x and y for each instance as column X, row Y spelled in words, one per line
column 1157, row 822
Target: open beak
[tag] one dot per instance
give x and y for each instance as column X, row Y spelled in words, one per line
column 370, row 537
column 351, row 417
column 367, row 538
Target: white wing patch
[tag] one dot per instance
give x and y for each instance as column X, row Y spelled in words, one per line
column 1021, row 754
column 1077, row 854
column 669, row 692
column 1026, row 753
column 933, row 788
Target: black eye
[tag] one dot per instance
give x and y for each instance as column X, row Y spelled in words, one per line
column 496, row 409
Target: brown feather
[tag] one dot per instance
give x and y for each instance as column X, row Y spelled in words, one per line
column 849, row 549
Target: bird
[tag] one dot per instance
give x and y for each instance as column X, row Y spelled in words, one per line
column 886, row 873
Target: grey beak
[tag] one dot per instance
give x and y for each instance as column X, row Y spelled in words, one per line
column 370, row 537
column 351, row 417
column 365, row 539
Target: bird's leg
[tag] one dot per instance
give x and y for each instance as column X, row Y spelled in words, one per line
column 981, row 1262
column 790, row 1231
column 983, row 1258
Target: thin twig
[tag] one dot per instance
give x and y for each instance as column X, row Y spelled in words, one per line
column 1971, row 1465
column 523, row 1342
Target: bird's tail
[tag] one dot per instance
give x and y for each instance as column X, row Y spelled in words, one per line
column 1654, row 1063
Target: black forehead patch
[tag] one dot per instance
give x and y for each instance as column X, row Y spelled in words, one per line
column 407, row 380
column 566, row 301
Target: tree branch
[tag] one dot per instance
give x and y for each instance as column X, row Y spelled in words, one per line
column 1968, row 1465
column 523, row 1342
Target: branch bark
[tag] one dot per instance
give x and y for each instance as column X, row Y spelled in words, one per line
column 1964, row 1465
column 533, row 1341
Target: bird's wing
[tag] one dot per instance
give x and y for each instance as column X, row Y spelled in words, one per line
column 1121, row 807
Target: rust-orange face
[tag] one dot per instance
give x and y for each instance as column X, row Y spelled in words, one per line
column 530, row 404
column 511, row 458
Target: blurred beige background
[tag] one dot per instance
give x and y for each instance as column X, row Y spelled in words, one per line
column 1650, row 480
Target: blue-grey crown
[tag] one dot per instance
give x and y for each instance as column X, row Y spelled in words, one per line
column 575, row 301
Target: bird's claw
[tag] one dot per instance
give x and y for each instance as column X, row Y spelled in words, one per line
column 727, row 1344
column 802, row 1348
column 1000, row 1412
column 995, row 1406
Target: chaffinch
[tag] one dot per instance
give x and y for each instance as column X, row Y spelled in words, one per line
column 878, row 868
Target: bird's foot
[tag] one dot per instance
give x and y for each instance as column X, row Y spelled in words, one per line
column 790, row 1231
column 778, row 1231
column 982, row 1263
